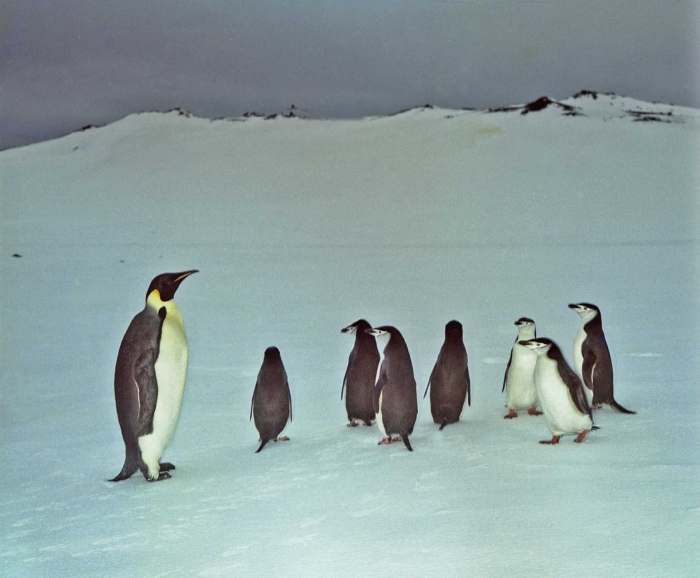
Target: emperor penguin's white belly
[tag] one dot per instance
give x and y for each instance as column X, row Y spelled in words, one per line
column 520, row 382
column 563, row 417
column 171, row 373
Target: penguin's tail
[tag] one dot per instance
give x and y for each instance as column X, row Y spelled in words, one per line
column 407, row 443
column 262, row 445
column 131, row 464
column 619, row 408
column 445, row 421
column 595, row 427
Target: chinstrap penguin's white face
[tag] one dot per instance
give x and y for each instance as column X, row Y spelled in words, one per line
column 539, row 347
column 385, row 336
column 584, row 310
column 349, row 329
column 523, row 324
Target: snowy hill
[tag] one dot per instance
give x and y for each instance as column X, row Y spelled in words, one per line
column 299, row 227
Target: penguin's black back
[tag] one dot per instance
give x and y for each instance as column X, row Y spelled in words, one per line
column 272, row 402
column 449, row 382
column 136, row 359
column 361, row 374
column 570, row 379
column 596, row 355
column 397, row 387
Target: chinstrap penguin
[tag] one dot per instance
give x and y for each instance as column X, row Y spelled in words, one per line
column 449, row 382
column 592, row 360
column 149, row 379
column 519, row 381
column 271, row 406
column 560, row 392
column 395, row 398
column 358, row 383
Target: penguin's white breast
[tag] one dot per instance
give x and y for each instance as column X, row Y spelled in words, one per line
column 577, row 355
column 520, row 386
column 380, row 422
column 171, row 373
column 559, row 409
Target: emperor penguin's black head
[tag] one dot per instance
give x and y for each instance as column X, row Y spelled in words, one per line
column 540, row 345
column 167, row 283
column 587, row 311
column 358, row 327
column 453, row 330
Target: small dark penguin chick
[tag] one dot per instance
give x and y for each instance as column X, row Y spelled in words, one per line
column 449, row 382
column 271, row 406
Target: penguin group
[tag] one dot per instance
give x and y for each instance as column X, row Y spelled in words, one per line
column 151, row 371
column 537, row 373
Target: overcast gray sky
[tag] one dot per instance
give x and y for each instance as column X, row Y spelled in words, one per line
column 68, row 63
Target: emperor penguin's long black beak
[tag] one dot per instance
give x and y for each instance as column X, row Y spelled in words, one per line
column 182, row 276
column 179, row 278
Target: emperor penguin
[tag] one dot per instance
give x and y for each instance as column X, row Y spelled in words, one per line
column 519, row 380
column 560, row 392
column 450, row 378
column 395, row 398
column 358, row 382
column 149, row 379
column 592, row 360
column 271, row 406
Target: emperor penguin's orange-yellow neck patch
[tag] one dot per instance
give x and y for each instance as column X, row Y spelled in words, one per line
column 154, row 298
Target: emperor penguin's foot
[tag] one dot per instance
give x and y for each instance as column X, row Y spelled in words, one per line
column 511, row 414
column 281, row 439
column 166, row 467
column 553, row 441
column 353, row 423
column 389, row 440
column 582, row 436
column 161, row 476
column 597, row 406
column 533, row 411
column 368, row 422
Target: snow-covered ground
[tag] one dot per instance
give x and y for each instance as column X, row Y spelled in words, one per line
column 299, row 227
